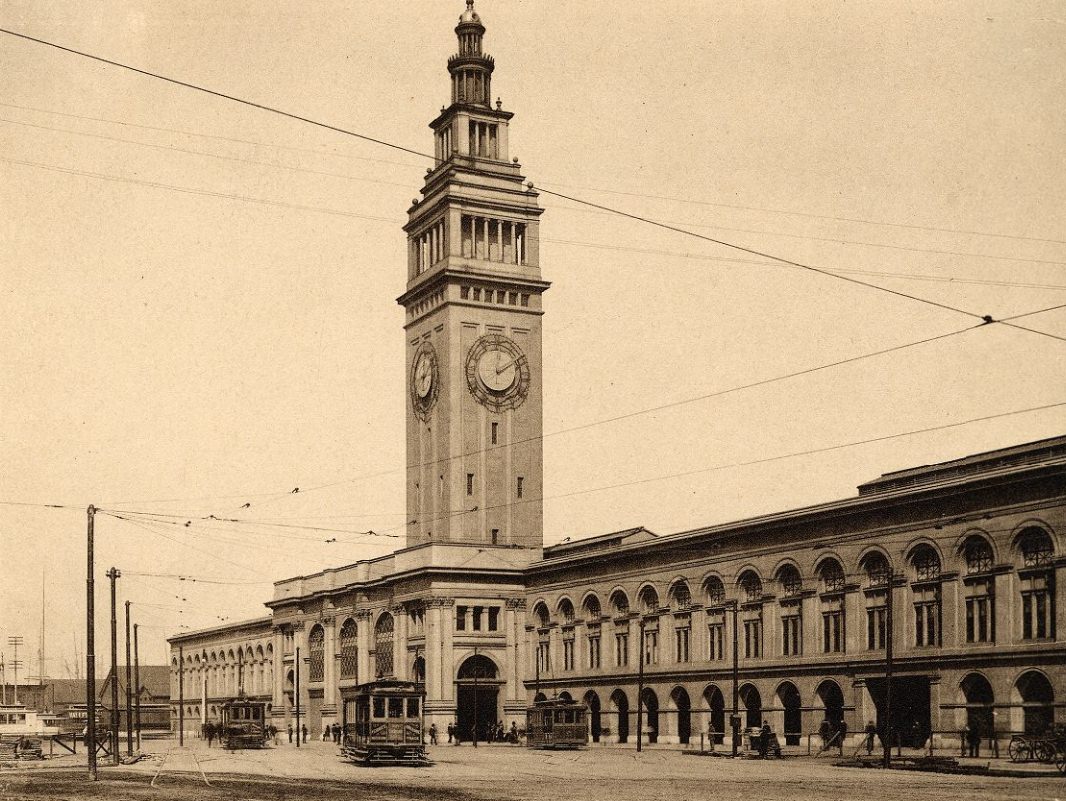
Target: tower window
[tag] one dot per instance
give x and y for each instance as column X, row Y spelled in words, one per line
column 464, row 292
column 519, row 482
column 469, row 483
column 477, row 293
column 495, row 536
column 495, row 433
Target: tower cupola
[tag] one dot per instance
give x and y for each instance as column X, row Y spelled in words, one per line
column 470, row 68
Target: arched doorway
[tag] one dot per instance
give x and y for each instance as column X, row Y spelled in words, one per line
column 715, row 701
column 478, row 691
column 651, row 714
column 1034, row 692
column 592, row 701
column 752, row 701
column 832, row 702
column 620, row 708
column 979, row 699
column 789, row 698
column 684, row 714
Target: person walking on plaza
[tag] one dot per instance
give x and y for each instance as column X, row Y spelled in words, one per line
column 209, row 730
column 290, row 734
column 823, row 732
column 871, row 732
column 842, row 735
column 973, row 740
column 304, row 728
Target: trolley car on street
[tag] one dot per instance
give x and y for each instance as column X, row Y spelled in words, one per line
column 557, row 723
column 243, row 724
column 387, row 729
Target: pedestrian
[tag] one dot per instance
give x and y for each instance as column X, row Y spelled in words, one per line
column 304, row 729
column 432, row 733
column 842, row 734
column 974, row 741
column 209, row 730
column 336, row 730
column 871, row 731
column 290, row 734
column 514, row 732
column 823, row 732
column 764, row 739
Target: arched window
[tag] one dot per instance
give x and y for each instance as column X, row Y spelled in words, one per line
column 714, row 591
column 620, row 602
column 979, row 590
column 927, row 610
column 316, row 652
column 791, row 610
column 751, row 591
column 541, row 616
column 680, row 596
column 384, row 637
column 833, row 612
column 349, row 642
column 1037, row 584
column 750, row 586
column 649, row 600
column 566, row 612
column 592, row 609
column 926, row 563
column 978, row 554
column 877, row 569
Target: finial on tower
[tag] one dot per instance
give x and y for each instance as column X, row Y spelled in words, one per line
column 471, row 68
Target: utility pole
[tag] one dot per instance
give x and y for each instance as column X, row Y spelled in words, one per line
column 886, row 739
column 734, row 720
column 3, row 677
column 240, row 673
column 476, row 671
column 90, row 647
column 40, row 650
column 296, row 667
column 129, row 689
column 113, row 574
column 181, row 695
column 640, row 687
column 16, row 663
column 137, row 683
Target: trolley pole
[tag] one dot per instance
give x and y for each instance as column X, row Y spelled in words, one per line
column 181, row 695
column 475, row 696
column 113, row 574
column 640, row 687
column 137, row 682
column 886, row 737
column 734, row 721
column 296, row 669
column 90, row 647
column 129, row 689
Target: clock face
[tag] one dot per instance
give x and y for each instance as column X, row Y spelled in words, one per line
column 497, row 372
column 424, row 380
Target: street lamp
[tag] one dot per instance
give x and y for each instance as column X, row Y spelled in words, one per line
column 734, row 720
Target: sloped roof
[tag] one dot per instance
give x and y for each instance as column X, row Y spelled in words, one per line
column 67, row 691
column 155, row 681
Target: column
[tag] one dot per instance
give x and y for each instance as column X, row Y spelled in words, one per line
column 362, row 622
column 329, row 674
column 433, row 650
column 1006, row 594
column 400, row 668
column 949, row 611
column 447, row 678
column 515, row 696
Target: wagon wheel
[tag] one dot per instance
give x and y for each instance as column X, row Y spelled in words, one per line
column 1018, row 750
column 1043, row 751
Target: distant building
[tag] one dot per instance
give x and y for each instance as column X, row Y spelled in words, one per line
column 153, row 692
column 962, row 565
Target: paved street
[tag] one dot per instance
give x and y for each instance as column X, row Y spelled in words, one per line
column 502, row 772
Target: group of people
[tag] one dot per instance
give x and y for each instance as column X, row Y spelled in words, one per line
column 495, row 733
column 833, row 736
column 303, row 731
column 332, row 733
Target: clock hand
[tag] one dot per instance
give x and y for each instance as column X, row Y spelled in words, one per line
column 512, row 362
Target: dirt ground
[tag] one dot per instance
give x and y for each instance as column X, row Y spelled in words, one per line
column 497, row 773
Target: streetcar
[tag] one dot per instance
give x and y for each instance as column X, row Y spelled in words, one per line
column 557, row 723
column 387, row 729
column 244, row 724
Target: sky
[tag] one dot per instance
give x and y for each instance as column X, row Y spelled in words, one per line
column 198, row 297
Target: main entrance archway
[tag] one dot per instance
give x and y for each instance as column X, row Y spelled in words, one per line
column 477, row 696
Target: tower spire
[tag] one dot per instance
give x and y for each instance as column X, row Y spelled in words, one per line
column 470, row 68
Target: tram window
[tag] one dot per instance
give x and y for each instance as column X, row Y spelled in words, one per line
column 395, row 707
column 379, row 707
column 412, row 707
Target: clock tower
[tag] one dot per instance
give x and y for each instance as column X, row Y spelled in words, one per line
column 473, row 325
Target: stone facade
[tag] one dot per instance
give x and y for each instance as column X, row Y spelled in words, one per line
column 959, row 566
